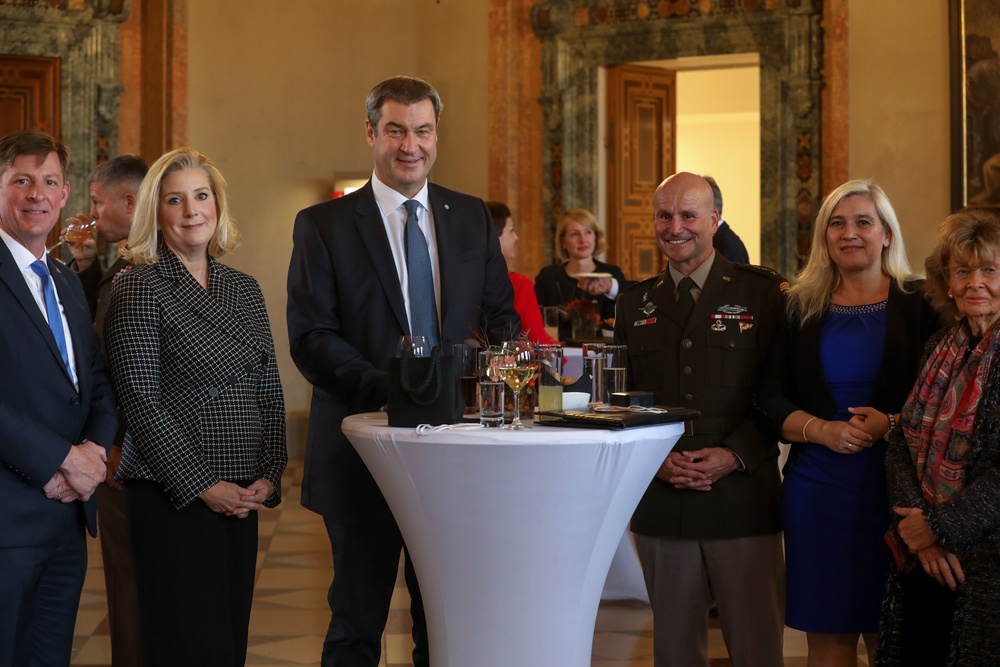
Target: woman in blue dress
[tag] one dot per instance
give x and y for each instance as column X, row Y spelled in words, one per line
column 844, row 364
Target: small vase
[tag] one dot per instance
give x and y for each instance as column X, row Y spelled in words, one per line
column 584, row 330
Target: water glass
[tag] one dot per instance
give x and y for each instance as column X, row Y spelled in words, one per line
column 614, row 382
column 615, row 363
column 491, row 395
column 593, row 367
column 465, row 368
column 615, row 356
column 550, row 315
column 550, row 386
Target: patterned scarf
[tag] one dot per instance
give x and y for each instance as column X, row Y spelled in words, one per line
column 938, row 416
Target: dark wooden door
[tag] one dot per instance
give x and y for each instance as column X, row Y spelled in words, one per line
column 29, row 99
column 641, row 152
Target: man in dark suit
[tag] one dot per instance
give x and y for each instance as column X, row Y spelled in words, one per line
column 114, row 186
column 57, row 412
column 697, row 336
column 359, row 279
column 726, row 241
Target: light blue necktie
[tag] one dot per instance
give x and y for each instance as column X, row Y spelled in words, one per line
column 423, row 306
column 52, row 310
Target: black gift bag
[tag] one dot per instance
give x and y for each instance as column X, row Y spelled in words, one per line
column 424, row 390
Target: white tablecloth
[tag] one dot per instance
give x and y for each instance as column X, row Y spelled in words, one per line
column 511, row 533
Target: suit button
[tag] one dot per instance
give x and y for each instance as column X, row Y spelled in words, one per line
column 75, row 400
column 213, row 392
column 686, row 370
column 688, row 397
column 732, row 343
column 687, row 342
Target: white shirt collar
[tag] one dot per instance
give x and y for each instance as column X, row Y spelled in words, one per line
column 389, row 200
column 22, row 256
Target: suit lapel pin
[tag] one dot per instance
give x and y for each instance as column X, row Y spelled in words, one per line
column 447, row 207
column 745, row 326
column 717, row 325
column 648, row 308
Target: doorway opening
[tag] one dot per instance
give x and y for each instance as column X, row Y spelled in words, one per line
column 715, row 131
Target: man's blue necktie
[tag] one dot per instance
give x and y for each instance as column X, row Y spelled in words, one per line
column 423, row 306
column 52, row 310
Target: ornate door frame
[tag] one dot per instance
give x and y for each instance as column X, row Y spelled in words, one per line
column 83, row 34
column 580, row 36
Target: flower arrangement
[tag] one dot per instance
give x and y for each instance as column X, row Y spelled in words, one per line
column 583, row 314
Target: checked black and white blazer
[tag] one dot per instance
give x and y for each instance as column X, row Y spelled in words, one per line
column 196, row 379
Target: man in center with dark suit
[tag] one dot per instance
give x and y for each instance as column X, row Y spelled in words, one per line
column 697, row 336
column 398, row 257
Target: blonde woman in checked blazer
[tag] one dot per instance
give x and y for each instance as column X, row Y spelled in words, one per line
column 193, row 364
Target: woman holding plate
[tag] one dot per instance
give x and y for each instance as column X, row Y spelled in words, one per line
column 580, row 275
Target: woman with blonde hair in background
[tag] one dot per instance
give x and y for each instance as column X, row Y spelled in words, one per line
column 844, row 362
column 578, row 239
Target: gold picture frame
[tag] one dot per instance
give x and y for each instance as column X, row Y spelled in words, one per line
column 975, row 102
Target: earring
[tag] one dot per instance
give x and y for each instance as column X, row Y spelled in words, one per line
column 950, row 295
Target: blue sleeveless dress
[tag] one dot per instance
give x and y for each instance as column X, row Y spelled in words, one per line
column 834, row 506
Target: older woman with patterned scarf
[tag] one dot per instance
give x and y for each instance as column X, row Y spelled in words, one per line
column 942, row 605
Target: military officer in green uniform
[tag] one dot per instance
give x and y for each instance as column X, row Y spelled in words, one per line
column 708, row 525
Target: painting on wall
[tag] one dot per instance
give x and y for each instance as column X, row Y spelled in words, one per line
column 975, row 102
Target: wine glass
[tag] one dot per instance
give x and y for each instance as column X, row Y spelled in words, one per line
column 79, row 230
column 518, row 365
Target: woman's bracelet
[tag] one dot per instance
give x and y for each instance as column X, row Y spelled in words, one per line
column 805, row 438
column 891, row 418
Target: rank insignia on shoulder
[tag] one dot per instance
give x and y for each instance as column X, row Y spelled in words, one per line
column 642, row 323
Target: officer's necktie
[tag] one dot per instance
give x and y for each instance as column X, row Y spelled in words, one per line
column 52, row 310
column 685, row 300
column 423, row 307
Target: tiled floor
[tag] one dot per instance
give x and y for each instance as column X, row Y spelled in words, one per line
column 290, row 614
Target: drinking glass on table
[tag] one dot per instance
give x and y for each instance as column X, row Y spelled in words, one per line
column 593, row 367
column 490, row 388
column 518, row 365
column 614, row 370
column 550, row 315
column 465, row 369
column 550, row 384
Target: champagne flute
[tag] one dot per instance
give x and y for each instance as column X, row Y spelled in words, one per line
column 518, row 365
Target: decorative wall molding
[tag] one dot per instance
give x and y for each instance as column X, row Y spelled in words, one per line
column 580, row 36
column 83, row 34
